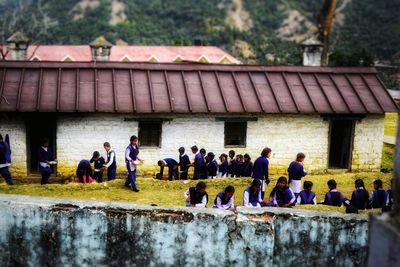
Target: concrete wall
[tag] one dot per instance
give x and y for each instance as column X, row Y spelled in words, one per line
column 54, row 232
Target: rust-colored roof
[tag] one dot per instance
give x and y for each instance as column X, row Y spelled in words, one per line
column 184, row 87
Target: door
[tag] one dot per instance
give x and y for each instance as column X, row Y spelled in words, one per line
column 39, row 126
column 341, row 143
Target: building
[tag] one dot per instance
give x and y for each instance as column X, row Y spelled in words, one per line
column 334, row 115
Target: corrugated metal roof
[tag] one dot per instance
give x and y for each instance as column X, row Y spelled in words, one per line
column 182, row 88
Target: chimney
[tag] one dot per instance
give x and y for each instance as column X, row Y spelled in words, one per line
column 101, row 49
column 18, row 46
column 312, row 52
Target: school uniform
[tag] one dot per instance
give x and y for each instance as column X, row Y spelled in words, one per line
column 284, row 196
column 306, row 197
column 247, row 168
column 84, row 169
column 131, row 155
column 98, row 164
column 223, row 169
column 184, row 163
column 333, row 198
column 111, row 165
column 212, row 169
column 260, row 172
column 199, row 200
column 252, row 198
column 44, row 154
column 170, row 163
column 238, row 168
column 198, row 166
column 204, row 168
column 222, row 201
column 232, row 166
column 360, row 199
column 379, row 199
column 390, row 196
column 5, row 162
column 296, row 172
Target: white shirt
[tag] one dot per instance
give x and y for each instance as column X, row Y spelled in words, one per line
column 291, row 201
column 198, row 205
column 228, row 205
column 112, row 157
column 246, row 198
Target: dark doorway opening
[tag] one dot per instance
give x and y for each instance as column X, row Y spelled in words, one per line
column 39, row 126
column 341, row 144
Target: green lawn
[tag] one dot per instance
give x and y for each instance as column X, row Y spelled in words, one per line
column 391, row 124
column 166, row 193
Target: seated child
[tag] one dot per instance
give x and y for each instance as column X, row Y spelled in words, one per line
column 212, row 166
column 98, row 166
column 282, row 195
column 379, row 197
column 223, row 167
column 360, row 196
column 349, row 208
column 84, row 169
column 172, row 168
column 252, row 195
column 197, row 196
column 224, row 199
column 333, row 197
column 247, row 166
column 239, row 164
column 307, row 196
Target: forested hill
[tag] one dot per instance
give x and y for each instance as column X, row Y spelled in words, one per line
column 256, row 31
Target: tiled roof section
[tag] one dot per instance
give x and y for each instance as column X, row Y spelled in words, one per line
column 184, row 87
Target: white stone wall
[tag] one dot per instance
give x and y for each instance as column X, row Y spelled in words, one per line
column 14, row 126
column 368, row 142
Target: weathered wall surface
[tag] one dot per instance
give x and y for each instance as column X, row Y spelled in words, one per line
column 54, row 232
column 14, row 126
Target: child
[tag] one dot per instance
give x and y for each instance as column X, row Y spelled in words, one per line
column 131, row 158
column 98, row 166
column 247, row 166
column 199, row 165
column 379, row 197
column 184, row 164
column 224, row 200
column 239, row 165
column 111, row 163
column 84, row 169
column 296, row 172
column 231, row 164
column 333, row 197
column 360, row 196
column 252, row 195
column 390, row 194
column 223, row 167
column 172, row 168
column 307, row 196
column 260, row 168
column 197, row 196
column 282, row 195
column 5, row 160
column 212, row 166
column 196, row 162
column 45, row 157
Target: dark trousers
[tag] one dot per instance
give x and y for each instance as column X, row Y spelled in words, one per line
column 5, row 173
column 171, row 173
column 111, row 173
column 183, row 175
column 81, row 179
column 131, row 179
column 46, row 172
column 98, row 176
column 197, row 174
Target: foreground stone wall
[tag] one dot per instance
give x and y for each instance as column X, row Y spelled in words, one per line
column 57, row 232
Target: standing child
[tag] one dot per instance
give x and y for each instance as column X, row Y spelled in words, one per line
column 172, row 168
column 333, row 197
column 5, row 161
column 223, row 167
column 239, row 165
column 184, row 164
column 231, row 164
column 307, row 196
column 247, row 166
column 199, row 165
column 252, row 195
column 98, row 166
column 45, row 157
column 260, row 168
column 197, row 196
column 84, row 169
column 282, row 195
column 390, row 194
column 296, row 172
column 212, row 167
column 131, row 158
column 360, row 196
column 379, row 197
column 111, row 163
column 224, row 200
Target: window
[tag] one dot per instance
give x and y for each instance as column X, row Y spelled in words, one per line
column 235, row 133
column 150, row 133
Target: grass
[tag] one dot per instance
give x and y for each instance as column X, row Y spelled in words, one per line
column 391, row 124
column 170, row 193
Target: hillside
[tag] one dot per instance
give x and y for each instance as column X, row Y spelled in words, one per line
column 253, row 30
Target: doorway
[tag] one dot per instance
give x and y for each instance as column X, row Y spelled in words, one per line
column 341, row 143
column 39, row 126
